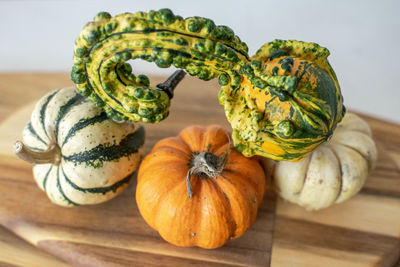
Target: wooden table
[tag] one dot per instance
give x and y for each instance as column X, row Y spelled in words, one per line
column 364, row 231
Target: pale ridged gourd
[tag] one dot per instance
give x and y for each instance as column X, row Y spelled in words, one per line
column 332, row 173
column 281, row 103
column 79, row 155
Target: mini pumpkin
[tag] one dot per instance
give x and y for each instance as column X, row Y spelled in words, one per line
column 196, row 193
column 333, row 172
column 79, row 156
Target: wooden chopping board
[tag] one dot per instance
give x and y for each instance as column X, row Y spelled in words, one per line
column 364, row 231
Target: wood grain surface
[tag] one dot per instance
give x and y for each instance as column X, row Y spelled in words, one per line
column 15, row 91
column 364, row 231
column 114, row 233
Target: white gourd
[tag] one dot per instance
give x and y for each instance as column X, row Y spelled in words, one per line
column 79, row 156
column 332, row 173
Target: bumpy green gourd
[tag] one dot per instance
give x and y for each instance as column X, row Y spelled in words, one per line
column 104, row 45
column 281, row 103
column 288, row 101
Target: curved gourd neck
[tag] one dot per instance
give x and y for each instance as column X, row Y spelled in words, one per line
column 194, row 44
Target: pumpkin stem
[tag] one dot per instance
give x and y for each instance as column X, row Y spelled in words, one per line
column 207, row 165
column 188, row 185
column 51, row 155
column 169, row 85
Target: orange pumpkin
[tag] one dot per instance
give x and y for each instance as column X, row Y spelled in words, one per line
column 197, row 190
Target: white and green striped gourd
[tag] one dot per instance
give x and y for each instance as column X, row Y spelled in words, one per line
column 79, row 156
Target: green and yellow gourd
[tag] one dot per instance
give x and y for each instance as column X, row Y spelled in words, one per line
column 100, row 71
column 79, row 155
column 281, row 103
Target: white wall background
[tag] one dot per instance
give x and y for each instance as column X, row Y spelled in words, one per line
column 363, row 37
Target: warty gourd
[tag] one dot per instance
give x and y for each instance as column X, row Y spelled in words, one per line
column 282, row 103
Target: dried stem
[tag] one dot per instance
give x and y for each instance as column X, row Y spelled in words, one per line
column 206, row 164
column 169, row 85
column 51, row 155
